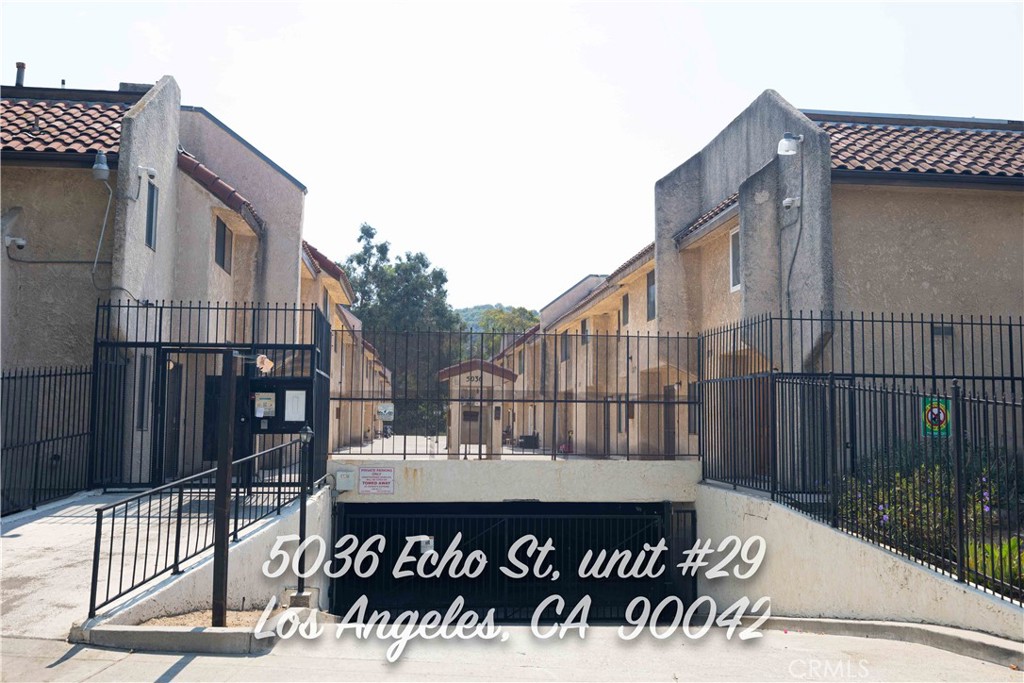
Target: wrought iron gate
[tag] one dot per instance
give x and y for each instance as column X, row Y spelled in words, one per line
column 156, row 400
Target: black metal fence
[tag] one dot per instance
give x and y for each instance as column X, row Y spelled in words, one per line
column 907, row 432
column 520, row 395
column 45, row 435
column 984, row 353
column 157, row 390
column 143, row 537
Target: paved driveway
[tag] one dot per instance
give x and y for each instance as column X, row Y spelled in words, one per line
column 46, row 566
column 601, row 657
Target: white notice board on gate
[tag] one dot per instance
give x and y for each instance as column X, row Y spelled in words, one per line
column 377, row 480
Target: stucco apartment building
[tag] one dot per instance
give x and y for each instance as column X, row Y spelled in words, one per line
column 359, row 380
column 190, row 212
column 859, row 213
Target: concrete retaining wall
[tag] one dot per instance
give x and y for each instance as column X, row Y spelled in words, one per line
column 192, row 590
column 811, row 570
column 574, row 481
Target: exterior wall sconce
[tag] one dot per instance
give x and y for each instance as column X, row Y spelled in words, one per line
column 789, row 144
column 100, row 170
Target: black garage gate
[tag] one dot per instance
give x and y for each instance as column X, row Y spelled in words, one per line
column 493, row 528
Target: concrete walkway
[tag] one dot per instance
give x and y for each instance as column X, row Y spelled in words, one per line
column 602, row 656
column 46, row 566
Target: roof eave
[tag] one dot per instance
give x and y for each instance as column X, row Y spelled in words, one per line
column 924, row 179
column 683, row 241
column 56, row 159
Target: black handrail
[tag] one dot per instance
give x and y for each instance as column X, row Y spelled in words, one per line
column 141, row 547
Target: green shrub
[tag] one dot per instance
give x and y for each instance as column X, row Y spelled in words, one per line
column 990, row 564
column 906, row 497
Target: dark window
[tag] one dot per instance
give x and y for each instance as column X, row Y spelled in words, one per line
column 223, row 246
column 522, row 359
column 327, row 303
column 564, row 340
column 618, row 416
column 152, row 203
column 650, row 295
column 734, row 261
column 584, row 332
column 625, row 309
column 142, row 400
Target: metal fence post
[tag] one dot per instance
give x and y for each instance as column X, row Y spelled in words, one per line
column 221, row 505
column 958, row 448
column 35, row 475
column 177, row 531
column 773, row 435
column 96, row 563
column 830, row 431
column 280, row 479
column 306, row 437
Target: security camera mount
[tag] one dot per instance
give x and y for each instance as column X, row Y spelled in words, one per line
column 18, row 242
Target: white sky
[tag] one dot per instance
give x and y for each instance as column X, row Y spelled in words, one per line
column 517, row 144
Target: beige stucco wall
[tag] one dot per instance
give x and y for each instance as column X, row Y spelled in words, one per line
column 468, row 481
column 716, row 304
column 149, row 137
column 742, row 158
column 277, row 199
column 928, row 250
column 49, row 309
column 203, row 279
column 811, row 570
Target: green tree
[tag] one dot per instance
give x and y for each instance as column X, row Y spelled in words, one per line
column 510, row 319
column 402, row 294
column 398, row 300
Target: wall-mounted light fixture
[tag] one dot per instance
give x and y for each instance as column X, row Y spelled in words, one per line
column 789, row 145
column 100, row 170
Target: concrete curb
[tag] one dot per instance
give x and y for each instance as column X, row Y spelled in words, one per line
column 981, row 646
column 243, row 641
column 191, row 639
column 196, row 640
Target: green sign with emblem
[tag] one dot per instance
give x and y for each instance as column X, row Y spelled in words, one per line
column 934, row 416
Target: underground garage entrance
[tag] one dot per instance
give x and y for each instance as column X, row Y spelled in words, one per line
column 473, row 542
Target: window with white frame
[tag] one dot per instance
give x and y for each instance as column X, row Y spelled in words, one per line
column 152, row 205
column 734, row 260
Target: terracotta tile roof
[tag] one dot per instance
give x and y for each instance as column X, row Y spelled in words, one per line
column 708, row 216
column 211, row 181
column 30, row 125
column 642, row 255
column 518, row 341
column 925, row 149
column 323, row 263
column 476, row 365
column 354, row 323
column 645, row 254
